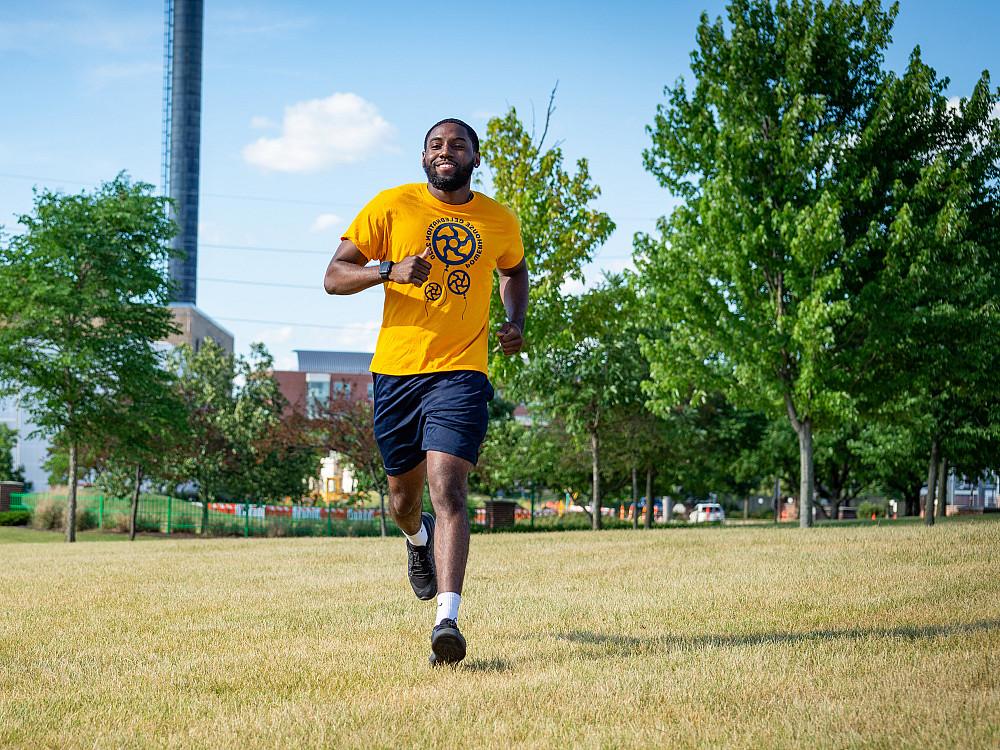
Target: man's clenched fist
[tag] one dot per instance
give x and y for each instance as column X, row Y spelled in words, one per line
column 413, row 269
column 511, row 338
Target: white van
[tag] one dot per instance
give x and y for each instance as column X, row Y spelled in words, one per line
column 706, row 513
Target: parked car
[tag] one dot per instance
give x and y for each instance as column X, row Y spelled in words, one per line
column 707, row 513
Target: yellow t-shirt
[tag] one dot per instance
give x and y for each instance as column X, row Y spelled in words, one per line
column 442, row 325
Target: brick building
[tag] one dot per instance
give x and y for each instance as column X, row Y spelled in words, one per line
column 322, row 376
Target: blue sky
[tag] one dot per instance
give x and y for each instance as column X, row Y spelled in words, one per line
column 82, row 88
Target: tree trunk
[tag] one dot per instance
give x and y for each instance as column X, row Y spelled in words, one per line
column 805, row 474
column 635, row 498
column 381, row 517
column 648, row 522
column 135, row 503
column 803, row 428
column 71, row 505
column 931, row 484
column 942, row 490
column 204, row 513
column 912, row 499
column 595, row 454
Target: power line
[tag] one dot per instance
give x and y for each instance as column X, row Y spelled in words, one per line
column 265, row 249
column 314, row 287
column 264, row 198
column 261, row 198
column 360, row 327
column 270, row 199
column 9, row 176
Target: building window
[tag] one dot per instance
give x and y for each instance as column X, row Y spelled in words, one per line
column 342, row 389
column 371, row 391
column 317, row 392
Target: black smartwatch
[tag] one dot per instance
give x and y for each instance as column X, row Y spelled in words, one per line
column 384, row 269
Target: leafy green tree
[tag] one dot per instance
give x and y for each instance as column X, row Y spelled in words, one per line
column 348, row 427
column 589, row 370
column 785, row 155
column 841, row 475
column 560, row 228
column 138, row 439
column 83, row 293
column 932, row 338
column 502, row 465
column 245, row 442
column 205, row 385
column 8, row 442
column 893, row 453
column 274, row 449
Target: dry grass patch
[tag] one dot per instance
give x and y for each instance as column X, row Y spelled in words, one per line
column 750, row 637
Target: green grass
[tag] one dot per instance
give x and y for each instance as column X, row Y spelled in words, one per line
column 23, row 534
column 855, row 636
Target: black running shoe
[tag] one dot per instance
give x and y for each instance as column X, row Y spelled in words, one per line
column 447, row 644
column 420, row 565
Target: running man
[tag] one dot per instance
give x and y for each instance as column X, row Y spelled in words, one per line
column 437, row 245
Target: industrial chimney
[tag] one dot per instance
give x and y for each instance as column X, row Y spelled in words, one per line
column 182, row 164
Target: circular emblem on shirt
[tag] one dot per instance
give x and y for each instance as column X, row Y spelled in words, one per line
column 453, row 243
column 458, row 281
column 432, row 292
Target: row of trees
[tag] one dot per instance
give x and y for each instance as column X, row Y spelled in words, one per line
column 833, row 263
column 821, row 307
column 83, row 307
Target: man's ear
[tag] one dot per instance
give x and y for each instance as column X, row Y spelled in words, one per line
column 476, row 162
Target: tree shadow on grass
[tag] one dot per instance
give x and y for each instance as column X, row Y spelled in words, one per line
column 620, row 644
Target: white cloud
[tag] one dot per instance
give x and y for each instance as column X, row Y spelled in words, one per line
column 320, row 133
column 257, row 122
column 325, row 221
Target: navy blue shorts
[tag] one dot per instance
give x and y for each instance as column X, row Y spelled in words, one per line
column 441, row 411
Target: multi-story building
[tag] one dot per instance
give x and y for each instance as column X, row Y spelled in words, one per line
column 323, row 376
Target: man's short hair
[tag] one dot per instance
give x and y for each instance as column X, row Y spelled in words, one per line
column 468, row 129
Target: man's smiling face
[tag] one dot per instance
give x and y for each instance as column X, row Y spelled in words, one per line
column 449, row 157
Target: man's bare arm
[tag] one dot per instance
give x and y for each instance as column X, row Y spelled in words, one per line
column 514, row 293
column 348, row 272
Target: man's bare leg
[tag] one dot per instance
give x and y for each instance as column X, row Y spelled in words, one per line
column 406, row 494
column 448, row 477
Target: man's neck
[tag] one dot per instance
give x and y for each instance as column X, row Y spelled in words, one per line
column 454, row 197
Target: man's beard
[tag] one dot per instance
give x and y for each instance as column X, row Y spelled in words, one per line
column 459, row 179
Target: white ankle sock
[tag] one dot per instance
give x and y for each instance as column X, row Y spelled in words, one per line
column 448, row 606
column 420, row 538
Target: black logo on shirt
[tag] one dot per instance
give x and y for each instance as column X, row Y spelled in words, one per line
column 455, row 241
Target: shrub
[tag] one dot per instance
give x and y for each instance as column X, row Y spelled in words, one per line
column 86, row 519
column 15, row 518
column 228, row 528
column 48, row 515
column 866, row 508
column 120, row 522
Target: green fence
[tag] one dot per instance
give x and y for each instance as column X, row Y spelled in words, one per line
column 169, row 515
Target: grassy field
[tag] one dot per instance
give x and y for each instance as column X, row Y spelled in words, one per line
column 752, row 637
column 26, row 535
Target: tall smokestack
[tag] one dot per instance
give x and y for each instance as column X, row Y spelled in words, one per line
column 185, row 141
